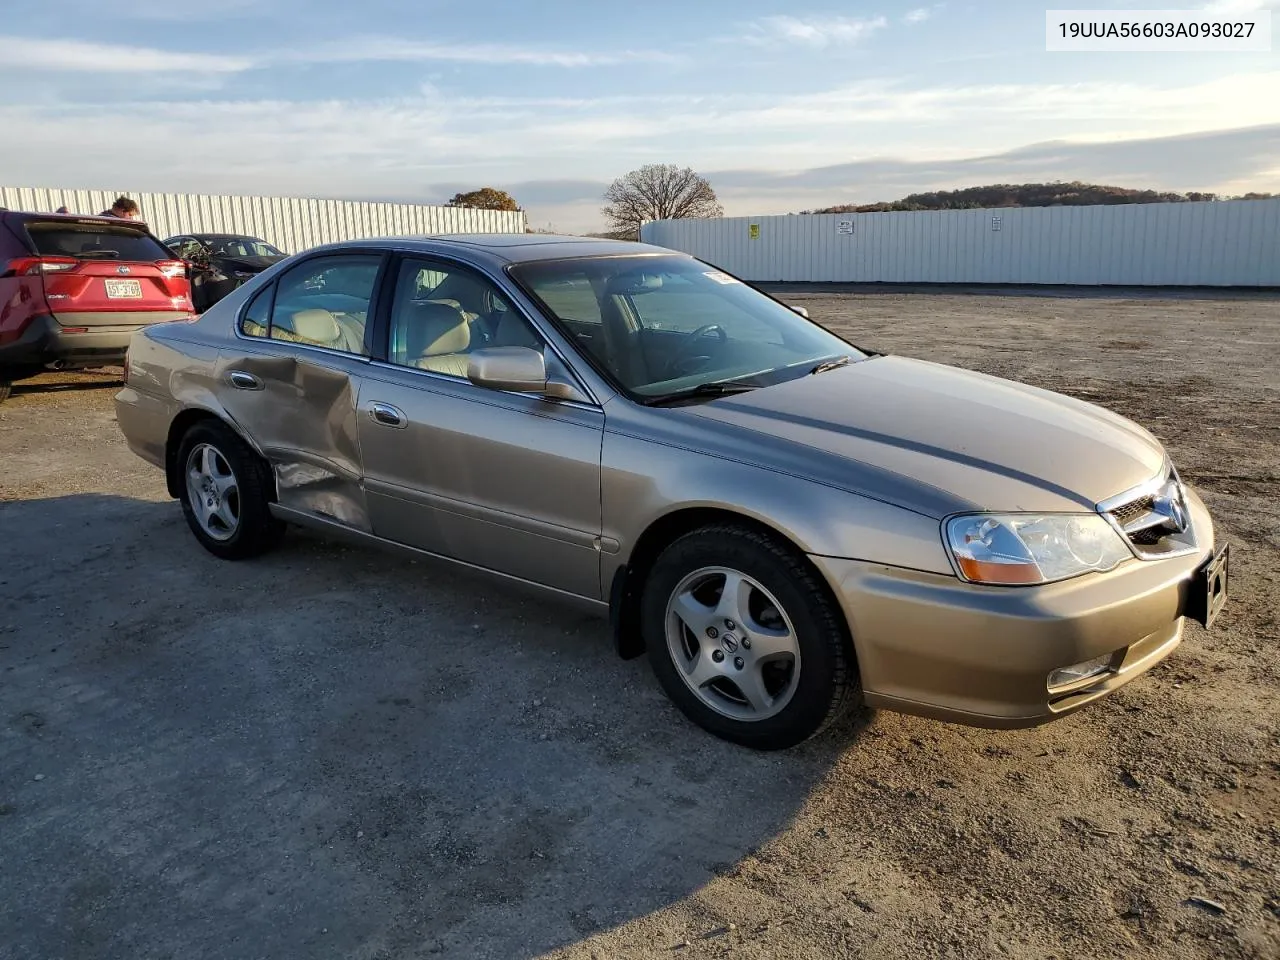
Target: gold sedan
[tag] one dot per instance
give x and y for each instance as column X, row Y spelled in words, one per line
column 786, row 524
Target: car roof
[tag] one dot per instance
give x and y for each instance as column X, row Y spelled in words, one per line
column 222, row 236
column 70, row 218
column 217, row 236
column 507, row 248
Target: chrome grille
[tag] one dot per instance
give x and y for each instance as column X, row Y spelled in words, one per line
column 1149, row 517
column 1129, row 512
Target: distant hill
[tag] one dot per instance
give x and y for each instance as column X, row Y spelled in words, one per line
column 1029, row 195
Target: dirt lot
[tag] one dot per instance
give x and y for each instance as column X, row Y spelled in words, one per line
column 333, row 753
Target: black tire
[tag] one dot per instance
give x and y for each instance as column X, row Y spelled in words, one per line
column 257, row 531
column 827, row 686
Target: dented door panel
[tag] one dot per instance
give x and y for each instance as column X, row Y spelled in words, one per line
column 299, row 407
column 503, row 481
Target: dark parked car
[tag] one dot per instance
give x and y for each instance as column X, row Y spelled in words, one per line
column 221, row 262
column 73, row 290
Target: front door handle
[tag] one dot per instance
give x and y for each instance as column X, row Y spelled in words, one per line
column 387, row 415
column 244, row 381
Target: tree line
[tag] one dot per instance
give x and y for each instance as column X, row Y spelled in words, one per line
column 1058, row 194
column 665, row 191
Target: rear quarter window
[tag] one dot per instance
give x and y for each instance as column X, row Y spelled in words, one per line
column 95, row 241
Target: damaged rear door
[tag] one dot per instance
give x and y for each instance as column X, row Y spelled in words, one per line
column 291, row 378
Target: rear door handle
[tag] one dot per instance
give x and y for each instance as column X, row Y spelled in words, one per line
column 387, row 415
column 244, row 381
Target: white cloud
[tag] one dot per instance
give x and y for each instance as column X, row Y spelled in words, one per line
column 77, row 56
column 811, row 31
column 918, row 15
column 30, row 53
column 399, row 148
column 371, row 49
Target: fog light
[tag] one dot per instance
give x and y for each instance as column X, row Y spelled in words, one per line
column 1066, row 676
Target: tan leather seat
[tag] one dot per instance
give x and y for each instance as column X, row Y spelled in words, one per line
column 317, row 326
column 436, row 337
column 322, row 329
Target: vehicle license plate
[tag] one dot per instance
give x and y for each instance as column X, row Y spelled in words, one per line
column 124, row 289
column 1208, row 592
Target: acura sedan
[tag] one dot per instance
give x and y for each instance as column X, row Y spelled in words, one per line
column 786, row 524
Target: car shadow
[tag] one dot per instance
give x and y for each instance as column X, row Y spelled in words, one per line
column 70, row 381
column 331, row 750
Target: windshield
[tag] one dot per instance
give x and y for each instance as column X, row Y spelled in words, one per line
column 659, row 325
column 242, row 247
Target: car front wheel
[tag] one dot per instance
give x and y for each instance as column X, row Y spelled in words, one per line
column 745, row 639
column 225, row 493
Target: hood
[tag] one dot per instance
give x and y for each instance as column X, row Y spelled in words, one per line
column 247, row 264
column 950, row 438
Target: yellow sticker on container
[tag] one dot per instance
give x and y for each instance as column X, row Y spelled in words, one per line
column 754, row 231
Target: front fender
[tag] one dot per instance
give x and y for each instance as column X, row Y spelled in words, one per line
column 643, row 481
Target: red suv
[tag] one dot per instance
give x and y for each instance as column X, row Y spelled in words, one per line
column 74, row 289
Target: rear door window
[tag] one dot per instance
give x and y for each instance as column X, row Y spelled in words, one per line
column 95, row 241
column 325, row 302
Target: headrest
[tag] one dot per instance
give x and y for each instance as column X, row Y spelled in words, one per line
column 316, row 325
column 432, row 329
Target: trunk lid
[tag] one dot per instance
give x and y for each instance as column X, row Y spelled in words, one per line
column 249, row 264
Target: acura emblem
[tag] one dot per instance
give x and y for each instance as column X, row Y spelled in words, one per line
column 122, row 269
column 1168, row 504
column 729, row 642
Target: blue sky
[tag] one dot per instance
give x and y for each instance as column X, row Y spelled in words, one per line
column 783, row 105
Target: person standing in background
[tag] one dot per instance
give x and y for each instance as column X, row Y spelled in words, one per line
column 124, row 208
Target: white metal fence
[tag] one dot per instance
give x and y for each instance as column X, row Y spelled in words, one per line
column 291, row 223
column 1222, row 243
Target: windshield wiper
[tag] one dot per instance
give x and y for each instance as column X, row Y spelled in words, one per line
column 831, row 364
column 718, row 388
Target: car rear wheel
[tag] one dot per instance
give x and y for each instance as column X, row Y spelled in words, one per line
column 746, row 640
column 225, row 493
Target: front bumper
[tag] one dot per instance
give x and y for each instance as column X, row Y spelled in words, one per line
column 935, row 646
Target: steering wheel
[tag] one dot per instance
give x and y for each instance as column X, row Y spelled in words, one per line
column 684, row 355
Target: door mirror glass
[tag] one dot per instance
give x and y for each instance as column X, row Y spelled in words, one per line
column 520, row 369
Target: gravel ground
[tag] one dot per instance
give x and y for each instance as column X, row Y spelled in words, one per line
column 335, row 753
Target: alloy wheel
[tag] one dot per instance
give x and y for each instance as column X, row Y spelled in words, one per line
column 732, row 644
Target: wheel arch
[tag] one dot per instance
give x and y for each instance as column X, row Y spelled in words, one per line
column 178, row 427
column 628, row 579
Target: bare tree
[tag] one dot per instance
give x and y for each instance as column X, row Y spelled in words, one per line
column 658, row 191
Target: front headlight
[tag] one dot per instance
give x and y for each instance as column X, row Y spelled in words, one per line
column 1009, row 549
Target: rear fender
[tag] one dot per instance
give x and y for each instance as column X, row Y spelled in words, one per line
column 182, row 372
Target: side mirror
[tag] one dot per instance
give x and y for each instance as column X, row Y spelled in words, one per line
column 800, row 310
column 518, row 369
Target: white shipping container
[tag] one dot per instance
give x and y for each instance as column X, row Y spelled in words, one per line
column 1225, row 243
